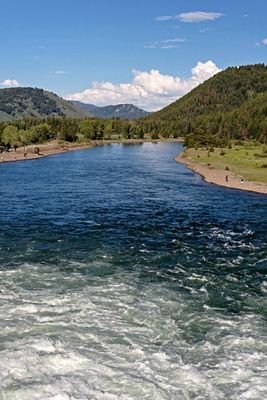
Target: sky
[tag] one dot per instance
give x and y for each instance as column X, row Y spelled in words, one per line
column 144, row 52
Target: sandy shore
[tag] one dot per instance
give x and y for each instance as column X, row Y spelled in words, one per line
column 54, row 147
column 218, row 177
column 45, row 150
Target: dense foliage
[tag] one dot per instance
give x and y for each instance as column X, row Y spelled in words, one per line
column 39, row 130
column 231, row 105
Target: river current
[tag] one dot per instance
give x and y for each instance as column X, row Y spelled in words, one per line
column 124, row 276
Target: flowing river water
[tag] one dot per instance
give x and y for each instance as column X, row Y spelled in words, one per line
column 124, row 276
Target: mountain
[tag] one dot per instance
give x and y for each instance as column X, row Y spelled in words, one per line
column 16, row 103
column 222, row 93
column 123, row 111
column 231, row 104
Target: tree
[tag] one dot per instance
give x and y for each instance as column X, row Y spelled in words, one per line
column 10, row 136
column 25, row 137
column 40, row 133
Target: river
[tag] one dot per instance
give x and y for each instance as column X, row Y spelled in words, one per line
column 124, row 276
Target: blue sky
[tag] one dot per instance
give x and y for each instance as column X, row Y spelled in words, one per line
column 139, row 51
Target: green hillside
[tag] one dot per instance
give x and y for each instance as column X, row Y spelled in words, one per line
column 123, row 111
column 18, row 103
column 232, row 104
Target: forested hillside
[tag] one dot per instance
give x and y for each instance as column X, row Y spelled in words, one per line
column 123, row 111
column 232, row 104
column 17, row 103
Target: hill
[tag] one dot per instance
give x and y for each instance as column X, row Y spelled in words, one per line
column 232, row 104
column 123, row 111
column 17, row 103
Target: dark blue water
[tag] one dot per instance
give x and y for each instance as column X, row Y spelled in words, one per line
column 124, row 276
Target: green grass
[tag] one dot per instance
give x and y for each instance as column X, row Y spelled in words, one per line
column 246, row 161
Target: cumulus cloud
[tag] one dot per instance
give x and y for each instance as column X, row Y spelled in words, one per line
column 10, row 82
column 265, row 41
column 150, row 90
column 193, row 16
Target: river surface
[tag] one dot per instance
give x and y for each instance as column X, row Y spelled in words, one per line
column 124, row 276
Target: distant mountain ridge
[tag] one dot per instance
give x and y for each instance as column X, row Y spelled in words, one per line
column 21, row 102
column 123, row 111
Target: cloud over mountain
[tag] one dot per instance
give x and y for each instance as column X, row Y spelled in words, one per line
column 10, row 82
column 150, row 90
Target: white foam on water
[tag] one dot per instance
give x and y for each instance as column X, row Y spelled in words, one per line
column 112, row 338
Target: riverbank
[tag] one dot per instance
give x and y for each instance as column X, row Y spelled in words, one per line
column 55, row 147
column 47, row 149
column 226, row 178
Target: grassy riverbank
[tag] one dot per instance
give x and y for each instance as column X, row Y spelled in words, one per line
column 241, row 167
column 248, row 161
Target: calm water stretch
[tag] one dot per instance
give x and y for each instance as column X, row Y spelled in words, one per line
column 124, row 276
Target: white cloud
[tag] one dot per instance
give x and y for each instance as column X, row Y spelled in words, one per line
column 165, row 44
column 199, row 16
column 204, row 30
column 265, row 41
column 193, row 16
column 150, row 90
column 10, row 82
column 166, row 17
column 60, row 72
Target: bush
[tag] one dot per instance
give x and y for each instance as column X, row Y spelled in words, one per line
column 222, row 153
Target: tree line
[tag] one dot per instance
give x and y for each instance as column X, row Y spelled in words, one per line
column 40, row 130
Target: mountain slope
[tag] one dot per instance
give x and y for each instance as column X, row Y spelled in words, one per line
column 230, row 105
column 16, row 103
column 123, row 111
column 224, row 92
